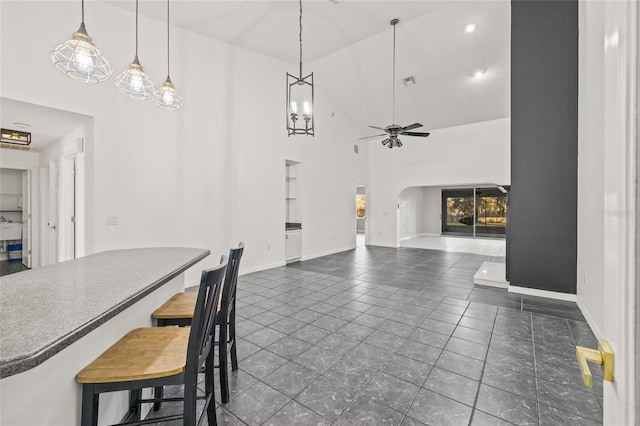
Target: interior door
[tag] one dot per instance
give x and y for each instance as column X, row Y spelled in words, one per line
column 54, row 211
column 620, row 191
column 26, row 218
column 68, row 228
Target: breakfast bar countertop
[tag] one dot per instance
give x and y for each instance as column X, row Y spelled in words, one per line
column 44, row 310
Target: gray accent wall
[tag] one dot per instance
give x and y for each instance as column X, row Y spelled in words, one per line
column 542, row 251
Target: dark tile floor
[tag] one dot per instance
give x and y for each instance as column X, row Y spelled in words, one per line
column 7, row 267
column 380, row 336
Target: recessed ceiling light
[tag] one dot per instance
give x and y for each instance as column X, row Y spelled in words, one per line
column 479, row 73
column 470, row 27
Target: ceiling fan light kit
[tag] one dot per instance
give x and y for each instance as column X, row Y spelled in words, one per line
column 394, row 130
column 300, row 99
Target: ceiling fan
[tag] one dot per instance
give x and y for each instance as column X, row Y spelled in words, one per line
column 393, row 130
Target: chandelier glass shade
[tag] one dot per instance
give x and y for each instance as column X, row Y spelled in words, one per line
column 79, row 58
column 167, row 97
column 300, row 99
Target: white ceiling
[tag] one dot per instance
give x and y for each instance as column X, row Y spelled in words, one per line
column 45, row 124
column 348, row 46
column 272, row 27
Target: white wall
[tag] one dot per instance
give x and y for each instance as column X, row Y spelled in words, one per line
column 474, row 154
column 419, row 211
column 432, row 211
column 591, row 146
column 410, row 207
column 206, row 176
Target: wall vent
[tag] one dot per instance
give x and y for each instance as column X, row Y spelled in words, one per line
column 16, row 147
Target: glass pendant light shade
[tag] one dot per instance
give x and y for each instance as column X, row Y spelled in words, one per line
column 80, row 59
column 167, row 97
column 134, row 82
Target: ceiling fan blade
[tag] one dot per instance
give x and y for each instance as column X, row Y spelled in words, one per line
column 378, row 128
column 422, row 134
column 372, row 136
column 410, row 127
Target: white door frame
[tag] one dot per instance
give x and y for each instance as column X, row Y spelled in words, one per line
column 27, row 228
column 54, row 211
column 620, row 191
column 68, row 211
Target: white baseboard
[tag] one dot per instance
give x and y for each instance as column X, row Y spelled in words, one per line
column 490, row 283
column 245, row 271
column 543, row 293
column 260, row 268
column 326, row 253
column 592, row 324
column 424, row 234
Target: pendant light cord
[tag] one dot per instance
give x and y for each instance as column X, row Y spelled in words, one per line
column 393, row 86
column 83, row 11
column 168, row 61
column 300, row 39
column 136, row 28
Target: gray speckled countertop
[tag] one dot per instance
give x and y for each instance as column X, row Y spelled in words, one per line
column 44, row 310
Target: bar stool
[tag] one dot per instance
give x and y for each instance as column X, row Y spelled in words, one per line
column 179, row 310
column 151, row 356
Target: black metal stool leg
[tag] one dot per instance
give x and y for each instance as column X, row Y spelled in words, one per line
column 222, row 362
column 135, row 406
column 89, row 416
column 210, row 384
column 158, row 393
column 232, row 339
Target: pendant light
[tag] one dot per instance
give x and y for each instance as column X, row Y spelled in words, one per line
column 300, row 98
column 167, row 96
column 78, row 58
column 134, row 82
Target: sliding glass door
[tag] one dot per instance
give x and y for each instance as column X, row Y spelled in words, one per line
column 458, row 212
column 476, row 212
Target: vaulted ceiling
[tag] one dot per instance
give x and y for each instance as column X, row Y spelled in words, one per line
column 460, row 77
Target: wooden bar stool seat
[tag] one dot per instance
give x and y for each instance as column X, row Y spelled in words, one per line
column 180, row 307
column 178, row 311
column 153, row 357
column 143, row 353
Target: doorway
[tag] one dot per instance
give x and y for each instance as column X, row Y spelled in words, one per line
column 15, row 220
column 474, row 212
column 361, row 215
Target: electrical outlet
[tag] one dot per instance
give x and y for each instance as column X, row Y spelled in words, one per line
column 112, row 220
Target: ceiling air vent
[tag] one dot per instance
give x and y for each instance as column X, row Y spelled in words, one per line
column 16, row 147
